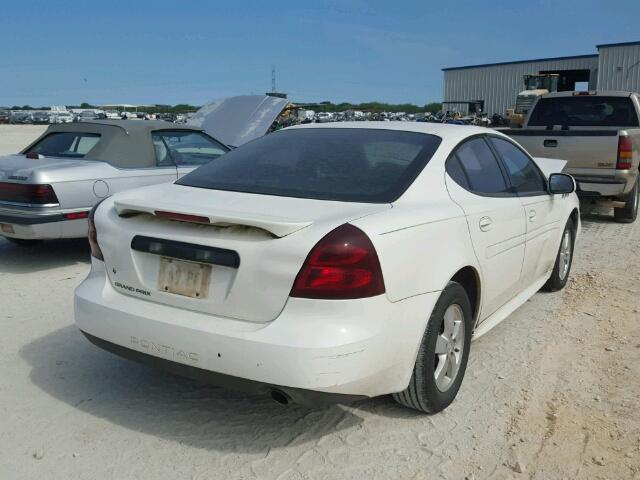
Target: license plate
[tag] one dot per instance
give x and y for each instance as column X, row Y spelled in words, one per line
column 190, row 279
column 7, row 228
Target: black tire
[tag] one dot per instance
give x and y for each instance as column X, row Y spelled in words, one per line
column 629, row 212
column 23, row 242
column 423, row 393
column 560, row 276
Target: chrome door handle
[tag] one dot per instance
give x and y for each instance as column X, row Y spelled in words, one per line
column 486, row 224
column 532, row 215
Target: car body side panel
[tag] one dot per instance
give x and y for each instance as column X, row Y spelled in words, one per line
column 499, row 245
column 86, row 193
column 81, row 183
column 546, row 217
column 421, row 249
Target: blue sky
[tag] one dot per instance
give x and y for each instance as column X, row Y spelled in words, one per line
column 138, row 51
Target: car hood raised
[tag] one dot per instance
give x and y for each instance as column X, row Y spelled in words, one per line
column 238, row 120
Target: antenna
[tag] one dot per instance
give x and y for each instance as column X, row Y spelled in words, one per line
column 273, row 79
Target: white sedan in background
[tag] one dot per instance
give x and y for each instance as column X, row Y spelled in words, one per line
column 335, row 261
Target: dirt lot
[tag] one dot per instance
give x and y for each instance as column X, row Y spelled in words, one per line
column 551, row 393
column 14, row 138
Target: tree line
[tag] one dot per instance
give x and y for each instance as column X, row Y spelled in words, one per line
column 318, row 107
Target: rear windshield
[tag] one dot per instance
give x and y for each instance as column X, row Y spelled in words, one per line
column 584, row 111
column 66, row 144
column 342, row 164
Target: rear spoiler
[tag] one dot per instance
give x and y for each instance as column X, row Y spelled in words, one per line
column 550, row 165
column 277, row 226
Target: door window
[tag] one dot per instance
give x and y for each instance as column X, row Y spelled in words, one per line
column 475, row 168
column 524, row 175
column 185, row 147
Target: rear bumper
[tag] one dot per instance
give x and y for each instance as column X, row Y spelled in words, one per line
column 40, row 224
column 606, row 186
column 356, row 348
column 306, row 397
column 597, row 189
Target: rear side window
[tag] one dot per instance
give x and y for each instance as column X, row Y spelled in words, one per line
column 524, row 175
column 584, row 111
column 476, row 168
column 342, row 164
column 66, row 144
column 183, row 147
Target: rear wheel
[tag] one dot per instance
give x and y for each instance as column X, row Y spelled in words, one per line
column 564, row 260
column 443, row 354
column 629, row 212
column 23, row 242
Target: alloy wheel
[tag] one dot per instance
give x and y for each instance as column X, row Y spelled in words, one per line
column 449, row 348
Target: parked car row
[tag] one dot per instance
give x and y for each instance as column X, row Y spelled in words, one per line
column 43, row 117
column 321, row 262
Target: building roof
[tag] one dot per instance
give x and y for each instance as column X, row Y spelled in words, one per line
column 600, row 93
column 595, row 55
column 617, row 44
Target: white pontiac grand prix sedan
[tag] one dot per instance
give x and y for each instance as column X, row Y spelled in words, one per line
column 334, row 261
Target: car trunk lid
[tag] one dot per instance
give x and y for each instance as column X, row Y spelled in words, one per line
column 20, row 168
column 240, row 263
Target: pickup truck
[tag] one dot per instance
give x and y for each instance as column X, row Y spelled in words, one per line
column 598, row 134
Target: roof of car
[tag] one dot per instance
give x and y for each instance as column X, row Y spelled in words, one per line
column 439, row 129
column 133, row 127
column 123, row 143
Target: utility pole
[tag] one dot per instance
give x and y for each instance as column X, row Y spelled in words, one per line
column 274, row 92
column 273, row 79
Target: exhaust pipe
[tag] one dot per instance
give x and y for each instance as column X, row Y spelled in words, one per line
column 280, row 397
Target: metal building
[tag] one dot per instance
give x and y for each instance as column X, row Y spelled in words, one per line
column 495, row 86
column 619, row 67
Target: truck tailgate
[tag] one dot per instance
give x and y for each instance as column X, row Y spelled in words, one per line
column 584, row 150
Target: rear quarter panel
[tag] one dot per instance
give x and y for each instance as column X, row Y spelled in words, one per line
column 420, row 247
column 84, row 185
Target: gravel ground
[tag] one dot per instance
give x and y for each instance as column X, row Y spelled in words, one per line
column 14, row 138
column 551, row 393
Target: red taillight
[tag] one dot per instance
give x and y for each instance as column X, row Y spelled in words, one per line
column 181, row 217
column 93, row 235
column 343, row 265
column 27, row 193
column 76, row 215
column 625, row 153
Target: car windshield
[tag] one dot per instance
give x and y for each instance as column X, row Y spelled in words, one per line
column 186, row 147
column 66, row 144
column 342, row 164
column 584, row 111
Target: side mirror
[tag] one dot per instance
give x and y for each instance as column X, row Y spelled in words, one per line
column 561, row 183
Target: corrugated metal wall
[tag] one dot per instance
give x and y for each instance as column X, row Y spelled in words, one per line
column 498, row 85
column 619, row 68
